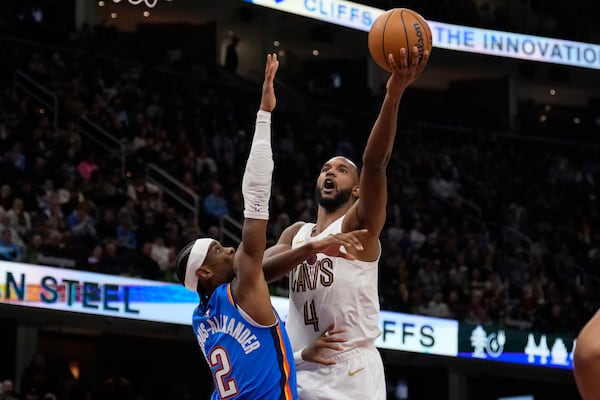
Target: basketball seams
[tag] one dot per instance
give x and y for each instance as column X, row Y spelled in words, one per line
column 385, row 58
column 408, row 51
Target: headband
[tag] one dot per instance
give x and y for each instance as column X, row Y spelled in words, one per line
column 195, row 261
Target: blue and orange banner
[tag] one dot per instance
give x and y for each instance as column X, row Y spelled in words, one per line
column 70, row 290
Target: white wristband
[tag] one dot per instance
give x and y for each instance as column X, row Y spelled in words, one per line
column 298, row 357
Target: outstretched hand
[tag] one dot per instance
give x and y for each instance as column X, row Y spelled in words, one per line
column 340, row 244
column 328, row 340
column 404, row 74
column 268, row 101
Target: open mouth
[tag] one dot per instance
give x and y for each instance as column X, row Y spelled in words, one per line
column 328, row 185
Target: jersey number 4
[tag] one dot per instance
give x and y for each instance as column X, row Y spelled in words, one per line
column 310, row 315
column 219, row 358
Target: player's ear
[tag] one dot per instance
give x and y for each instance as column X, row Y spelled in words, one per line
column 356, row 191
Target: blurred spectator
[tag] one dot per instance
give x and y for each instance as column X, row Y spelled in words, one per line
column 54, row 217
column 149, row 229
column 231, row 56
column 7, row 391
column 6, row 198
column 82, row 224
column 111, row 261
column 525, row 313
column 160, row 253
column 106, row 228
column 14, row 236
column 33, row 249
column 39, row 378
column 205, row 164
column 215, row 205
column 437, row 307
column 428, row 279
column 129, row 212
column 147, row 266
column 27, row 193
column 19, row 217
column 93, row 261
column 417, row 238
column 126, row 236
column 477, row 313
column 455, row 305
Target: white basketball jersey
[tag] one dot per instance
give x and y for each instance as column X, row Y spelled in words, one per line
column 331, row 290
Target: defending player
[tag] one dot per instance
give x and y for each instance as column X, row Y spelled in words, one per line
column 239, row 332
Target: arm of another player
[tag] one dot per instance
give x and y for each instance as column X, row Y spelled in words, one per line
column 251, row 290
column 330, row 339
column 369, row 210
column 281, row 258
column 586, row 360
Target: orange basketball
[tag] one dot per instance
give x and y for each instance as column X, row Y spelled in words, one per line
column 395, row 29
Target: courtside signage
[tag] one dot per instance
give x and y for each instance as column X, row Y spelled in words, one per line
column 93, row 293
column 515, row 346
column 344, row 13
column 417, row 333
column 100, row 294
column 449, row 36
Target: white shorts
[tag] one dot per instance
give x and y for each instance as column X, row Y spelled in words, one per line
column 358, row 374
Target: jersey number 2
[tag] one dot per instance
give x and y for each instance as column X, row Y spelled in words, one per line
column 310, row 315
column 220, row 359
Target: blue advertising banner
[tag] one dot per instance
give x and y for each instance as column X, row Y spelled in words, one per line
column 450, row 36
column 71, row 290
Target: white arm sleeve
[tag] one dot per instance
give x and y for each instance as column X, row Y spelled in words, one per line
column 256, row 183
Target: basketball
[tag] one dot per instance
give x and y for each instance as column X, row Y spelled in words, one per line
column 395, row 29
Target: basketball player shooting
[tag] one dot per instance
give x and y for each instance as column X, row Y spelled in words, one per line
column 342, row 301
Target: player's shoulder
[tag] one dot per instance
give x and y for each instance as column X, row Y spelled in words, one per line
column 288, row 233
column 295, row 227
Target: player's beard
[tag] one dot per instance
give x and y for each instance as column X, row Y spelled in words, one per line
column 335, row 202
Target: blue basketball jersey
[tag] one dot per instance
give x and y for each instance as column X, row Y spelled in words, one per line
column 247, row 361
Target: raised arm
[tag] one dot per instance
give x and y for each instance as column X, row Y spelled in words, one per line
column 369, row 211
column 250, row 290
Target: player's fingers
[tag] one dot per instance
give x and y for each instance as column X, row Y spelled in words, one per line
column 323, row 360
column 392, row 61
column 423, row 62
column 350, row 241
column 334, row 346
column 414, row 57
column 331, row 340
column 403, row 58
column 356, row 242
column 333, row 331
